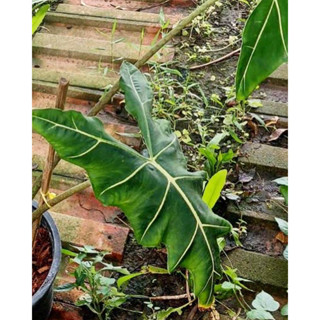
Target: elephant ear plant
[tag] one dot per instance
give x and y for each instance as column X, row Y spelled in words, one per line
column 160, row 197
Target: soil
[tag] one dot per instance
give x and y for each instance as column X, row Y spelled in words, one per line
column 41, row 258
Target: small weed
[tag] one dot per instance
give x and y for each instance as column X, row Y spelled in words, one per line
column 100, row 294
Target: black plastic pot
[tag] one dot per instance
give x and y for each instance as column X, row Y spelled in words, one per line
column 42, row 300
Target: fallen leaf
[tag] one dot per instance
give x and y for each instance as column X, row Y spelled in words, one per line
column 245, row 177
column 272, row 121
column 276, row 134
column 253, row 127
column 282, row 237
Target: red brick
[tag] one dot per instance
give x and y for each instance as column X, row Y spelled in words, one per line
column 63, row 311
column 102, row 236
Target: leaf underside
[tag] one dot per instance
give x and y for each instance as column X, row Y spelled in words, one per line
column 264, row 45
column 161, row 199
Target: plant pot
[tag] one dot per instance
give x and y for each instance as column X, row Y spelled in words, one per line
column 42, row 300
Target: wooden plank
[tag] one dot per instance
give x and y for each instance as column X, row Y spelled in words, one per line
column 273, row 160
column 93, row 49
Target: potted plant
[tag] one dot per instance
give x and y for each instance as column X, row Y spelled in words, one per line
column 160, row 197
column 43, row 296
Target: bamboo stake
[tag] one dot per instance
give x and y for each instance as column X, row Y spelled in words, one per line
column 50, row 162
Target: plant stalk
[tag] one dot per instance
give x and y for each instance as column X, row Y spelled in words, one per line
column 106, row 97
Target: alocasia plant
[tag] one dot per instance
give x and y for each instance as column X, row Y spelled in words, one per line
column 160, row 197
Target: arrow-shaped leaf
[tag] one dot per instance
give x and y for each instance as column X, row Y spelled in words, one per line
column 161, row 199
column 264, row 45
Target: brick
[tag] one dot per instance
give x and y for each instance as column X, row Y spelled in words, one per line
column 79, row 79
column 135, row 4
column 73, row 92
column 281, row 123
column 102, row 236
column 100, row 33
column 93, row 49
column 64, row 276
column 260, row 268
column 121, row 16
column 63, row 311
column 266, row 216
column 280, row 76
column 273, row 109
column 39, row 156
column 83, row 204
column 273, row 160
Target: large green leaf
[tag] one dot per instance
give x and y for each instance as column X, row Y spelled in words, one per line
column 264, row 45
column 161, row 199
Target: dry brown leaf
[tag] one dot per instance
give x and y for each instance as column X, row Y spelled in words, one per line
column 272, row 121
column 276, row 134
column 253, row 127
column 282, row 237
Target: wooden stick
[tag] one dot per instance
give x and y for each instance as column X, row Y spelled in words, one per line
column 176, row 297
column 215, row 61
column 60, row 101
column 187, row 286
column 193, row 312
column 50, row 162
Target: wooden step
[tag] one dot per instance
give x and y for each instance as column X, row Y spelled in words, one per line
column 273, row 160
column 92, row 49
